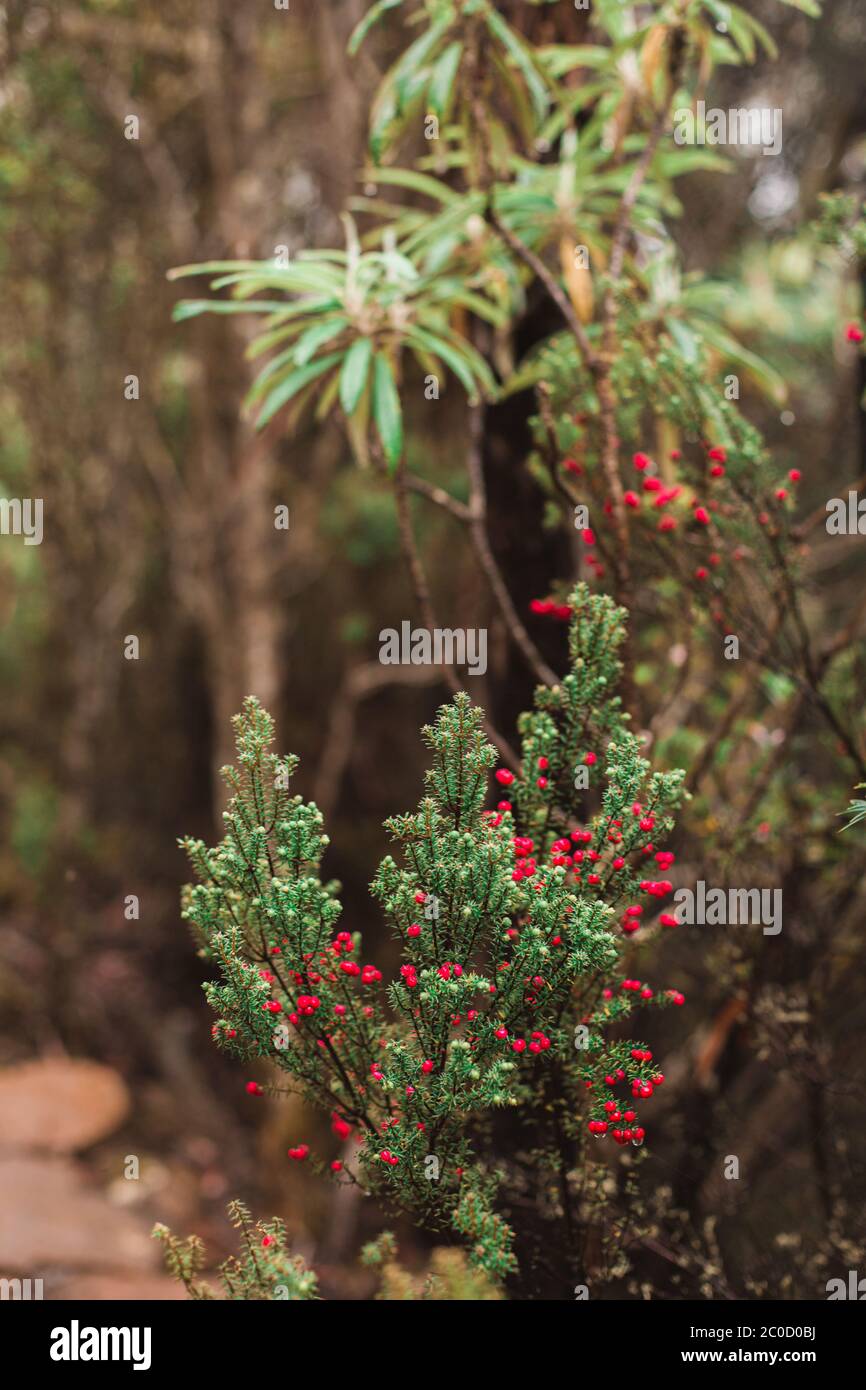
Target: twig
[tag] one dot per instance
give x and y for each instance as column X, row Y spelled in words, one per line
column 425, row 604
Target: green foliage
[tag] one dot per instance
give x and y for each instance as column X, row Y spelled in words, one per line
column 341, row 330
column 263, row 1271
column 433, row 72
column 345, row 323
column 510, row 935
column 856, row 810
column 450, row 1278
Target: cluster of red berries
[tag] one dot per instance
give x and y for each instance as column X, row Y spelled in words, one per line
column 538, row 1042
column 629, row 1135
column 370, row 975
column 645, row 992
column 549, row 609
column 448, row 970
column 661, row 496
column 565, row 852
column 524, row 866
column 308, row 1004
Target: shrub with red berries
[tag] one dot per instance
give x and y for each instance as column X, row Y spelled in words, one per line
column 512, row 914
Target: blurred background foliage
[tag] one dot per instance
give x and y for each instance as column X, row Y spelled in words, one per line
column 159, row 524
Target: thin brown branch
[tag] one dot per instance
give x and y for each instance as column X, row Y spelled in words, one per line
column 425, row 604
column 439, row 497
column 554, row 290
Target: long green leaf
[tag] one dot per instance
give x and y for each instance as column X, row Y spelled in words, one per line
column 418, row 183
column 178, row 272
column 442, row 79
column 294, row 383
column 445, row 341
column 190, row 308
column 809, row 7
column 426, row 342
column 387, row 411
column 317, row 336
column 522, row 60
column 363, row 27
column 353, row 377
